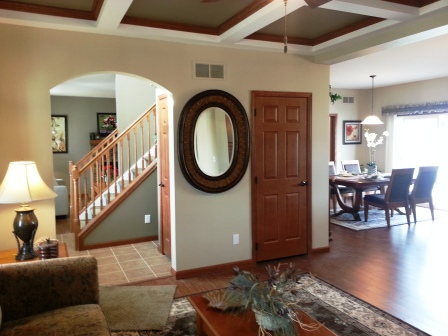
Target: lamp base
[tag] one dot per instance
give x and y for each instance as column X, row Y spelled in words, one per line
column 26, row 252
column 25, row 226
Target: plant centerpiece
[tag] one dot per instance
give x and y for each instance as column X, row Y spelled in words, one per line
column 372, row 142
column 275, row 302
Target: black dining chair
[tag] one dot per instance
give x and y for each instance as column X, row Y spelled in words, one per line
column 351, row 166
column 344, row 191
column 396, row 196
column 422, row 189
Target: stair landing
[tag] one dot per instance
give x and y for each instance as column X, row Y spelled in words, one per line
column 124, row 264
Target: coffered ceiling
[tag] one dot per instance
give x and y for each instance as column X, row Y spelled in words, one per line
column 397, row 40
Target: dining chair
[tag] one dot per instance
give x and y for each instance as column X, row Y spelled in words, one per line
column 396, row 196
column 422, row 189
column 344, row 191
column 351, row 166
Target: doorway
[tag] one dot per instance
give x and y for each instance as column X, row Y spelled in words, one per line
column 333, row 125
column 82, row 97
column 281, row 129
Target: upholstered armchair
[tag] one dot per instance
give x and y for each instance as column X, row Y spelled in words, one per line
column 51, row 297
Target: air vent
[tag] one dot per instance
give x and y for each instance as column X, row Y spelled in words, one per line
column 348, row 100
column 204, row 70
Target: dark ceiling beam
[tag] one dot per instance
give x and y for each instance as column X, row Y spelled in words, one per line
column 413, row 3
column 54, row 11
column 136, row 21
column 233, row 21
column 346, row 30
column 254, row 7
column 279, row 39
column 318, row 40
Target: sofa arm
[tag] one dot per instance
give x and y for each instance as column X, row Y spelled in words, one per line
column 29, row 288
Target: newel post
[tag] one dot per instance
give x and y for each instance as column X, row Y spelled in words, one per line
column 74, row 202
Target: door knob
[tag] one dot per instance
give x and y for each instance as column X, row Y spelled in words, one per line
column 303, row 183
column 161, row 185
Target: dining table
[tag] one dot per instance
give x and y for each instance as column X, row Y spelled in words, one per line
column 360, row 183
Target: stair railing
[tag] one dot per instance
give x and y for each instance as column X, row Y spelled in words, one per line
column 109, row 168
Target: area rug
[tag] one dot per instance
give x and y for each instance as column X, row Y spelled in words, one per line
column 136, row 307
column 377, row 219
column 340, row 312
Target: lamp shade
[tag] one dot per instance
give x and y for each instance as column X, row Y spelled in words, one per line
column 23, row 184
column 372, row 120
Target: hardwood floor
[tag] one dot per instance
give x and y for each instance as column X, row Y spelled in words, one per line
column 401, row 270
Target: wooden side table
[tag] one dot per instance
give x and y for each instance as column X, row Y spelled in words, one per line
column 212, row 322
column 9, row 256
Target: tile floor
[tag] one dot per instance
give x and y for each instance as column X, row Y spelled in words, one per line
column 124, row 264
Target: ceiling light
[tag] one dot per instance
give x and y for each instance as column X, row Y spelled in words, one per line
column 372, row 119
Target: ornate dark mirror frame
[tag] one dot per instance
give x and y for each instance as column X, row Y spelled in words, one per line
column 186, row 130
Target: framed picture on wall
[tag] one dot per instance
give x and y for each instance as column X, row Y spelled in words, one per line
column 352, row 132
column 59, row 134
column 106, row 123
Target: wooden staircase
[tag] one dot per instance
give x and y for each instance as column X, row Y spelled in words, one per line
column 112, row 170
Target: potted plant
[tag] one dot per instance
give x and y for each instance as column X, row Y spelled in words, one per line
column 334, row 96
column 372, row 142
column 275, row 302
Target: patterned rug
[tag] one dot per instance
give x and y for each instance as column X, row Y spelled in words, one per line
column 377, row 219
column 340, row 312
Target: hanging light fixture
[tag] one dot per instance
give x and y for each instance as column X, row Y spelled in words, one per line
column 372, row 119
column 285, row 38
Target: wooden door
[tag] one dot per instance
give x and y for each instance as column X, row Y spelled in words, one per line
column 163, row 166
column 281, row 131
column 333, row 124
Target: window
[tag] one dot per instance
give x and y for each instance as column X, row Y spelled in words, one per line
column 420, row 140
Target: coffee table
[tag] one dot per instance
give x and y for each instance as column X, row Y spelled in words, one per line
column 212, row 322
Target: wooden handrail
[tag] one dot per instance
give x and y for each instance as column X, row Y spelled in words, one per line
column 109, row 169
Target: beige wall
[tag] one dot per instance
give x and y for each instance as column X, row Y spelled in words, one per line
column 81, row 119
column 35, row 60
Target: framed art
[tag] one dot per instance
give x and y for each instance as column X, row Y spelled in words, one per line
column 352, row 132
column 106, row 123
column 59, row 134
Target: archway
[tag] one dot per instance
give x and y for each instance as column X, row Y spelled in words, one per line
column 81, row 98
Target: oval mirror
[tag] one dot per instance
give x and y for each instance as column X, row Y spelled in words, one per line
column 213, row 141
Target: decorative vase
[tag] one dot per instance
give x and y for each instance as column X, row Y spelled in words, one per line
column 372, row 168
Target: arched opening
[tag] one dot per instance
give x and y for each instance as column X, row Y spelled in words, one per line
column 125, row 96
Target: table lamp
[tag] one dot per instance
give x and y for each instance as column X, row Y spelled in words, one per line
column 23, row 184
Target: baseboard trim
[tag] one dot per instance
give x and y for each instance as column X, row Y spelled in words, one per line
column 178, row 275
column 211, row 269
column 321, row 250
column 118, row 243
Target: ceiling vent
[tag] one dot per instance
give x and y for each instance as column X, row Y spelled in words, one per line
column 348, row 100
column 213, row 71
